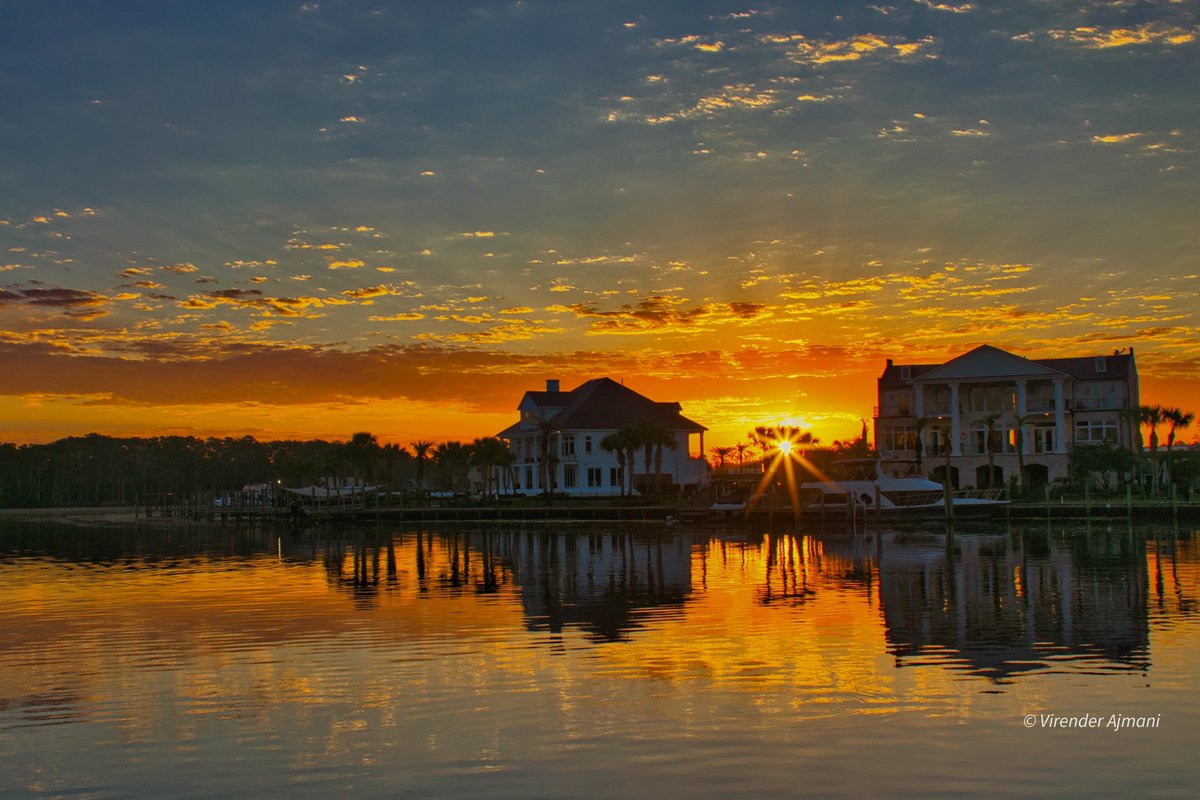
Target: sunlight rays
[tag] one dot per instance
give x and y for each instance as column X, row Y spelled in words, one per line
column 782, row 443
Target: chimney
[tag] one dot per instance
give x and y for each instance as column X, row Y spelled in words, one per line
column 889, row 362
column 551, row 384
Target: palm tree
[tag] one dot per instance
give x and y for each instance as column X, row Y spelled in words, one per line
column 361, row 450
column 452, row 460
column 919, row 445
column 391, row 453
column 646, row 436
column 615, row 443
column 633, row 440
column 945, row 434
column 1179, row 420
column 743, row 449
column 1153, row 416
column 720, row 454
column 662, row 437
column 944, row 431
column 547, row 455
column 421, row 450
column 488, row 454
column 1021, row 420
column 989, row 423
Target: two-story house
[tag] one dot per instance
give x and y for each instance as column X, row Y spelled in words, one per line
column 576, row 422
column 1055, row 403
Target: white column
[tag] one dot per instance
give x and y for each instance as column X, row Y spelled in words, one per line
column 1060, row 422
column 918, row 401
column 955, row 447
column 1026, row 443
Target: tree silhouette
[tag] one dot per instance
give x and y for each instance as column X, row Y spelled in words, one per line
column 919, row 445
column 720, row 454
column 989, row 423
column 422, row 448
column 490, row 454
column 1153, row 417
column 547, row 453
column 617, row 443
column 1179, row 420
column 452, row 461
column 743, row 449
column 1021, row 420
column 362, row 450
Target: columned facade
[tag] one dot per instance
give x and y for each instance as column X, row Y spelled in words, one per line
column 994, row 403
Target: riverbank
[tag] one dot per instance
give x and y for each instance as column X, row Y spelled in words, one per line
column 81, row 515
column 592, row 512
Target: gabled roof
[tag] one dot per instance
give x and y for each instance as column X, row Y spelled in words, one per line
column 604, row 404
column 548, row 399
column 987, row 361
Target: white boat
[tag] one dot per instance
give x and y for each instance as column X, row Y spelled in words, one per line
column 862, row 482
column 731, row 502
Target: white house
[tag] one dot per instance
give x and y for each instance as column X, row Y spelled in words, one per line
column 1063, row 402
column 577, row 421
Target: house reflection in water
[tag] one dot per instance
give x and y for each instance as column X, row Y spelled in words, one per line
column 599, row 583
column 997, row 606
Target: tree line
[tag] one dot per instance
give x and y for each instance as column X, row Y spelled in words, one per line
column 96, row 470
column 105, row 470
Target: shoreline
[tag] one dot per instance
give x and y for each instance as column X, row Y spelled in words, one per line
column 81, row 514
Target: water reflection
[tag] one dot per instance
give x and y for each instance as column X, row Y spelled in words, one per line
column 991, row 604
column 421, row 658
column 1002, row 604
column 598, row 582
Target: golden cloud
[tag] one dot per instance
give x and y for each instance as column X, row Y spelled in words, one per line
column 1116, row 138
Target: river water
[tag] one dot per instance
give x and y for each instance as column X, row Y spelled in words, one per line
column 596, row 661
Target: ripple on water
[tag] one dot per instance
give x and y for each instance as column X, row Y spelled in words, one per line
column 591, row 664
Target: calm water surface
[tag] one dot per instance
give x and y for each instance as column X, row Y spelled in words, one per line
column 596, row 661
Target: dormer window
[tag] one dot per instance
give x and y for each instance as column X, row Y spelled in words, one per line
column 1101, row 364
column 905, row 373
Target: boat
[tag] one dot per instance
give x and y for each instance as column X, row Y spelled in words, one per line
column 862, row 482
column 731, row 502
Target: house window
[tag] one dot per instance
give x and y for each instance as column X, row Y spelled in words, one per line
column 1101, row 364
column 594, row 476
column 568, row 445
column 1043, row 439
column 905, row 373
column 981, row 442
column 1094, row 431
column 900, row 438
column 587, row 445
column 614, row 476
column 570, row 476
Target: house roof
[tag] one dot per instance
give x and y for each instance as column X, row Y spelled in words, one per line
column 986, row 361
column 1084, row 367
column 604, row 404
column 991, row 362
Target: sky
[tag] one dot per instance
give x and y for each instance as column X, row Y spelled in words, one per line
column 306, row 219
